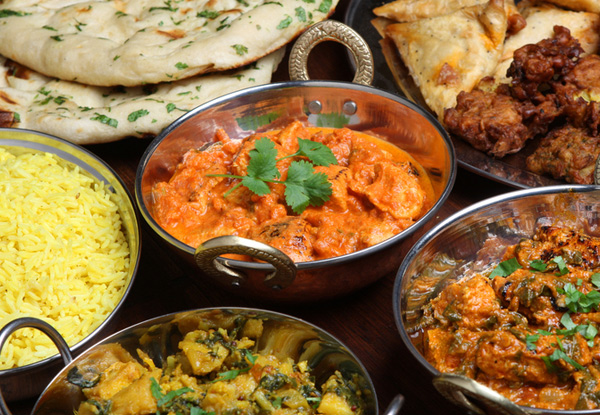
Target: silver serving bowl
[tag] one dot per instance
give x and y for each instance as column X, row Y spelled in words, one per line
column 283, row 335
column 29, row 380
column 441, row 255
column 316, row 103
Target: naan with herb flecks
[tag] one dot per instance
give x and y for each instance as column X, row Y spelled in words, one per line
column 136, row 42
column 86, row 114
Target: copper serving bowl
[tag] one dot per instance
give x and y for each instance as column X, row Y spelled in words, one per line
column 26, row 381
column 282, row 335
column 442, row 254
column 316, row 103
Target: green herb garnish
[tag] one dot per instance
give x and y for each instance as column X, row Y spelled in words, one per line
column 303, row 187
column 577, row 301
column 538, row 265
column 505, row 268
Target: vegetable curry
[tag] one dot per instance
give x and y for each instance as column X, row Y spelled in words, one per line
column 311, row 192
column 528, row 328
column 215, row 371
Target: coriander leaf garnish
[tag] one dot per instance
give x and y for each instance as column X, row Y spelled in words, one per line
column 240, row 49
column 538, row 265
column 303, row 186
column 596, row 279
column 165, row 399
column 531, row 340
column 137, row 114
column 577, row 301
column 562, row 267
column 505, row 268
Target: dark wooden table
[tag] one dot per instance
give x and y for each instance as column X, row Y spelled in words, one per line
column 363, row 321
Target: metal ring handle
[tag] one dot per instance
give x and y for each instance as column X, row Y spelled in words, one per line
column 44, row 327
column 207, row 258
column 597, row 172
column 395, row 406
column 336, row 31
column 458, row 389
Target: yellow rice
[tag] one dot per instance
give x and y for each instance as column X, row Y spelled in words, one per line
column 63, row 255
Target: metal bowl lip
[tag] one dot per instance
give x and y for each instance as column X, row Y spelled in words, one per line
column 6, row 373
column 170, row 316
column 451, row 220
column 357, row 255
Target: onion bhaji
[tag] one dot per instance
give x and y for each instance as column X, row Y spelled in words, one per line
column 552, row 95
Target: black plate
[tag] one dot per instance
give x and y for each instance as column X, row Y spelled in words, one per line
column 510, row 170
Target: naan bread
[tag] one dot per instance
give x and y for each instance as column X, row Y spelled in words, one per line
column 90, row 114
column 451, row 53
column 541, row 19
column 135, row 42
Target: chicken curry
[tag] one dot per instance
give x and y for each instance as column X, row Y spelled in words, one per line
column 311, row 192
column 214, row 371
column 528, row 328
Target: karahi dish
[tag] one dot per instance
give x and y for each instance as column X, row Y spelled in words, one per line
column 294, row 187
column 499, row 302
column 313, row 193
column 70, row 246
column 214, row 360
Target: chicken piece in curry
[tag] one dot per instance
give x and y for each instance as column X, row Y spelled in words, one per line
column 528, row 328
column 214, row 372
column 372, row 190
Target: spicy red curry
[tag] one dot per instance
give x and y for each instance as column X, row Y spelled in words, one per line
column 529, row 328
column 377, row 191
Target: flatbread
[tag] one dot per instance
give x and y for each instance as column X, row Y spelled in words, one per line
column 135, row 42
column 86, row 114
column 541, row 18
column 449, row 54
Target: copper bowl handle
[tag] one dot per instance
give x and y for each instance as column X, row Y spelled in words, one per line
column 207, row 259
column 338, row 32
column 394, row 407
column 458, row 389
column 44, row 327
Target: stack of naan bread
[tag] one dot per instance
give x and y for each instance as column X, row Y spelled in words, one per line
column 94, row 71
column 449, row 46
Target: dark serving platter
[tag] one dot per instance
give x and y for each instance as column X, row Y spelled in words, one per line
column 510, row 170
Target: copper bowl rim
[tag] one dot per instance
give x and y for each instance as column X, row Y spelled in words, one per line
column 287, row 85
column 454, row 220
column 72, row 152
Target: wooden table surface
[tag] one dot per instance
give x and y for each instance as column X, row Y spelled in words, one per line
column 363, row 321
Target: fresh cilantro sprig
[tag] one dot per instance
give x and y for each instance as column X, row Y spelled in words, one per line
column 165, row 399
column 576, row 301
column 505, row 268
column 303, row 186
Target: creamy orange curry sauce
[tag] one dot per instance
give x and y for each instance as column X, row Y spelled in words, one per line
column 377, row 191
column 527, row 329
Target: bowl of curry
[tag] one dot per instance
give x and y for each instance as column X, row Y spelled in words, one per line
column 500, row 302
column 215, row 360
column 296, row 191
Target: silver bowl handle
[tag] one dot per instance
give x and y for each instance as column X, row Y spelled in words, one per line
column 44, row 327
column 207, row 259
column 336, row 31
column 458, row 389
column 394, row 406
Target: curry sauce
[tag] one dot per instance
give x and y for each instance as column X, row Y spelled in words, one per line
column 528, row 328
column 377, row 191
